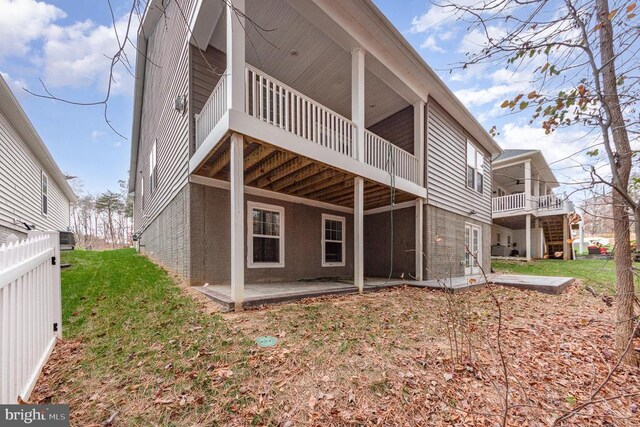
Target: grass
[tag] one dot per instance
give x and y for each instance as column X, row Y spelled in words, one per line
column 139, row 332
column 599, row 274
column 153, row 351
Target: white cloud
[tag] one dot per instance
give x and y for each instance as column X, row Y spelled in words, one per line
column 431, row 44
column 564, row 149
column 22, row 22
column 79, row 56
column 96, row 135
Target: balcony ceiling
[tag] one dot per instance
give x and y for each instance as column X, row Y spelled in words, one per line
column 285, row 45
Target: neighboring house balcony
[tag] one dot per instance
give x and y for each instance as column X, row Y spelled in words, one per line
column 540, row 206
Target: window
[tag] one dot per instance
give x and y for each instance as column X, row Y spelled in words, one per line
column 266, row 235
column 475, row 168
column 153, row 170
column 499, row 238
column 333, row 241
column 44, row 191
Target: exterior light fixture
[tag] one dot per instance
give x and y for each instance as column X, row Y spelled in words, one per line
column 180, row 103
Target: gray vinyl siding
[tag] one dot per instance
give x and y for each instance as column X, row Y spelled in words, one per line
column 207, row 68
column 20, row 186
column 397, row 128
column 166, row 76
column 446, row 167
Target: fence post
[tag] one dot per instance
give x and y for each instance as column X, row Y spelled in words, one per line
column 54, row 242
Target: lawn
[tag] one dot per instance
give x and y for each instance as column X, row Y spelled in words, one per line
column 597, row 273
column 153, row 352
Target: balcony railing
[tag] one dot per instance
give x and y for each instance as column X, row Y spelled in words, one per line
column 515, row 202
column 550, row 202
column 276, row 103
column 390, row 158
column 212, row 112
column 512, row 202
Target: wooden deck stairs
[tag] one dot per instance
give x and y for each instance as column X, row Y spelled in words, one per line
column 552, row 229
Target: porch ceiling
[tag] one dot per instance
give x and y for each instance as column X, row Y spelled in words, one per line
column 512, row 222
column 284, row 44
column 270, row 168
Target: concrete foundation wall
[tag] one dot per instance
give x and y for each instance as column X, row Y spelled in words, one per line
column 377, row 249
column 444, row 243
column 5, row 232
column 166, row 239
column 211, row 240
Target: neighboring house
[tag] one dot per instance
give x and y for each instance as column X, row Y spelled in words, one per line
column 267, row 156
column 529, row 219
column 34, row 194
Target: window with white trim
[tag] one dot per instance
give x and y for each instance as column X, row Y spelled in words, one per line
column 266, row 235
column 333, row 240
column 44, row 191
column 475, row 168
column 153, row 170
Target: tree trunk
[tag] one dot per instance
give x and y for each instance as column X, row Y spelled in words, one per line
column 621, row 169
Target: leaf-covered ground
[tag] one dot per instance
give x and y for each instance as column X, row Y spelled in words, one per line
column 156, row 353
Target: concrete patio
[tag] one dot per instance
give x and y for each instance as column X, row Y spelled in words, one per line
column 257, row 294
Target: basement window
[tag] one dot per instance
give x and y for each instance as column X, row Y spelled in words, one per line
column 266, row 236
column 475, row 168
column 333, row 241
column 44, row 191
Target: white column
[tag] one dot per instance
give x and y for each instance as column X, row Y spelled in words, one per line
column 527, row 185
column 418, row 138
column 358, row 233
column 357, row 100
column 237, row 220
column 235, row 53
column 419, row 232
column 581, row 235
column 528, row 236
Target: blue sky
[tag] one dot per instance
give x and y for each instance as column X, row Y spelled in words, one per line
column 63, row 42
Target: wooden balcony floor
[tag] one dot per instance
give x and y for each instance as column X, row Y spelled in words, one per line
column 274, row 169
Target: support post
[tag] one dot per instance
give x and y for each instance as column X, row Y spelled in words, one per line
column 419, row 244
column 418, row 139
column 527, row 185
column 565, row 236
column 237, row 220
column 357, row 100
column 528, row 236
column 358, row 233
column 235, row 53
column 581, row 236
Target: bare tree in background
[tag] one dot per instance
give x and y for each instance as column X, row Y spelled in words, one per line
column 583, row 57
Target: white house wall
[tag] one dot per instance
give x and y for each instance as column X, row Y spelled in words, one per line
column 20, row 186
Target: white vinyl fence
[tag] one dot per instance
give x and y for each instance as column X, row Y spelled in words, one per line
column 30, row 312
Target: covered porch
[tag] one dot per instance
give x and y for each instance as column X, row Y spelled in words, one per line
column 262, row 179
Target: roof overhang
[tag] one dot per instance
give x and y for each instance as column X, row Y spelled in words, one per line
column 12, row 110
column 367, row 27
column 537, row 160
